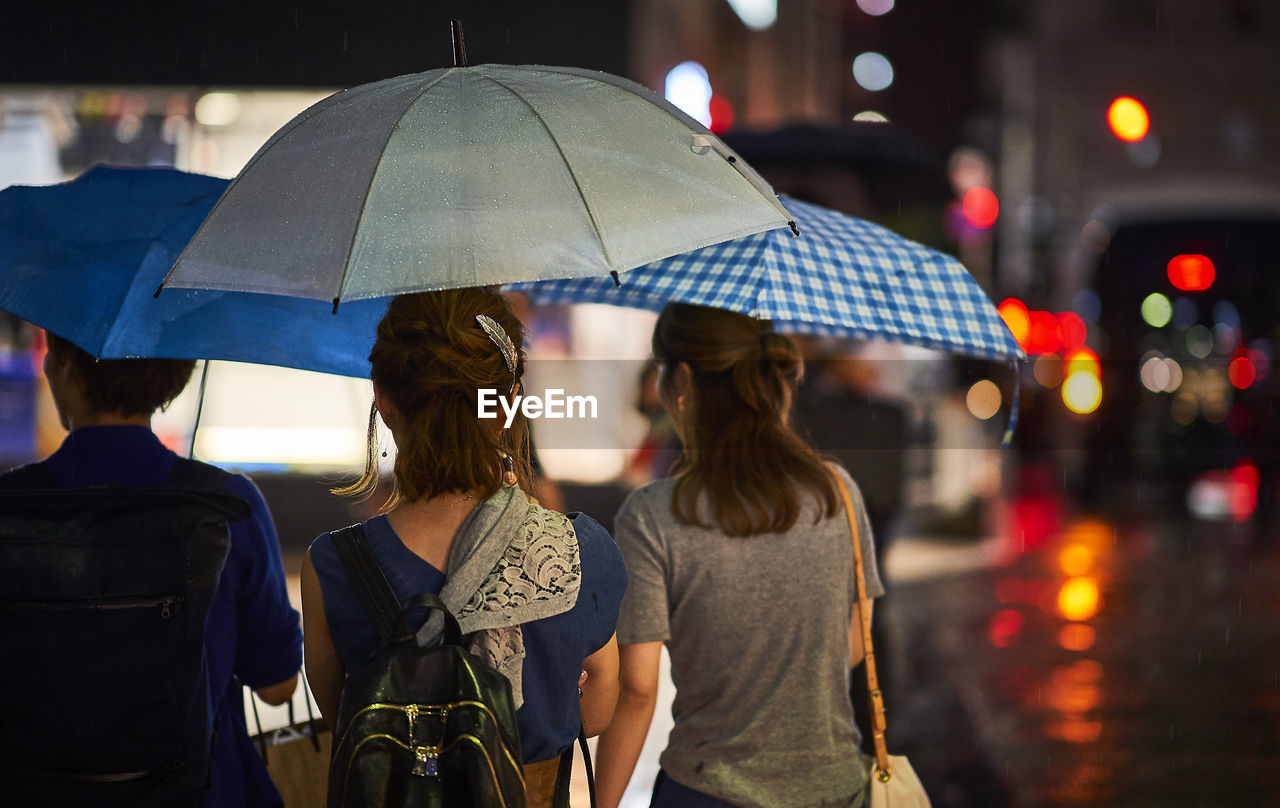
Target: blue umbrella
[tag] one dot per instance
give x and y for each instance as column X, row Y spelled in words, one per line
column 842, row 276
column 83, row 258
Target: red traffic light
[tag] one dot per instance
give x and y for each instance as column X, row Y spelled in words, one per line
column 1191, row 273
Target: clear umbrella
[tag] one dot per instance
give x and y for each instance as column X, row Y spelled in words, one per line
column 473, row 176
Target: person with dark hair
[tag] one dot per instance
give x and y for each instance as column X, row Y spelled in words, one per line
column 252, row 636
column 742, row 564
column 540, row 590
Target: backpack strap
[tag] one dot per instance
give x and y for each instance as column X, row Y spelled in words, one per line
column 376, row 594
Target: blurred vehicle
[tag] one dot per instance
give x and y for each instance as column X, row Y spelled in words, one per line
column 1182, row 302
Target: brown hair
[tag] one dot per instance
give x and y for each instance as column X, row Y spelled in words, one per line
column 123, row 386
column 738, row 446
column 431, row 358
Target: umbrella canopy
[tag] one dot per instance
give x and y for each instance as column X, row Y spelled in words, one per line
column 472, row 176
column 83, row 258
column 842, row 277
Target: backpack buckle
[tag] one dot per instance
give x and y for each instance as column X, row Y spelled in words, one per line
column 426, row 763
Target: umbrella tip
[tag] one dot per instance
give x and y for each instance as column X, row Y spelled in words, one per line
column 156, row 293
column 335, row 305
column 795, row 231
column 613, row 273
column 459, row 46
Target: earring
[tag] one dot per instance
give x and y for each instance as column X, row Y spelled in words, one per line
column 384, row 452
column 509, row 470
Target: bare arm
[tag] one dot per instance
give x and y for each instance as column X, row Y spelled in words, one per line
column 600, row 690
column 278, row 693
column 621, row 743
column 324, row 669
column 856, row 652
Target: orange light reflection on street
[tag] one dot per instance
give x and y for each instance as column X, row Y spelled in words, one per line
column 1077, row 637
column 1075, row 730
column 1076, row 559
column 1004, row 627
column 1078, row 598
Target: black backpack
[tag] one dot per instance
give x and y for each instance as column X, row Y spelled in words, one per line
column 104, row 595
column 420, row 725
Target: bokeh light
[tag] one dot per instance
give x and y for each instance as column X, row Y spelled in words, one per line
column 980, row 207
column 721, row 112
column 983, row 399
column 1083, row 359
column 1160, row 374
column 1128, row 119
column 1199, row 341
column 1043, row 334
column 757, row 15
column 876, row 7
column 1004, row 627
column 872, row 71
column 1087, row 304
column 218, row 109
column 1157, row 310
column 1076, row 559
column 871, row 116
column 1082, row 392
column 1016, row 318
column 1241, row 373
column 1072, row 329
column 1077, row 637
column 1048, row 370
column 689, row 88
column 1191, row 273
column 1078, row 598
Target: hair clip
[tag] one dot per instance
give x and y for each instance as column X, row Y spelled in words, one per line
column 505, row 346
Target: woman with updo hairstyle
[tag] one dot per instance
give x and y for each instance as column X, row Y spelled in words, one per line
column 741, row 563
column 458, row 522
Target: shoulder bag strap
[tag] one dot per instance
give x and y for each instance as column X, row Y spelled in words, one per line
column 371, row 584
column 876, row 698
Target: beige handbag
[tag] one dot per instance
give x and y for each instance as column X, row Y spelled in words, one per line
column 297, row 755
column 893, row 782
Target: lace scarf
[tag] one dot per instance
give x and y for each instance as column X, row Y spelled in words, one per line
column 512, row 562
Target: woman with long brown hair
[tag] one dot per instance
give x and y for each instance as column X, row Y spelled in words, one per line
column 742, row 564
column 459, row 525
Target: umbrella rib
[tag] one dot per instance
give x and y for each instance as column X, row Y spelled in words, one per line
column 569, row 167
column 346, row 264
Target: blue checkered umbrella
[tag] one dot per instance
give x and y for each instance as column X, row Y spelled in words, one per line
column 842, row 276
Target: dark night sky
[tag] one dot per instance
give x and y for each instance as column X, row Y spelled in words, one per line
column 296, row 44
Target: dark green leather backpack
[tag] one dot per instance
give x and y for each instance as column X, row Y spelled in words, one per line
column 420, row 725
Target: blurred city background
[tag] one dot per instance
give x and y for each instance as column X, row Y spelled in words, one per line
column 1087, row 616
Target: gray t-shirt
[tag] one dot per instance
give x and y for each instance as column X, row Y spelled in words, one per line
column 758, row 632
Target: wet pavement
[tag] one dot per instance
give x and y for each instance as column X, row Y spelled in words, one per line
column 1076, row 660
column 1087, row 661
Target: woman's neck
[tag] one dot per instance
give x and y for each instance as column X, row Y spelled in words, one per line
column 427, row 526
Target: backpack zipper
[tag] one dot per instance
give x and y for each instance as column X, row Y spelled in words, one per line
column 165, row 605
